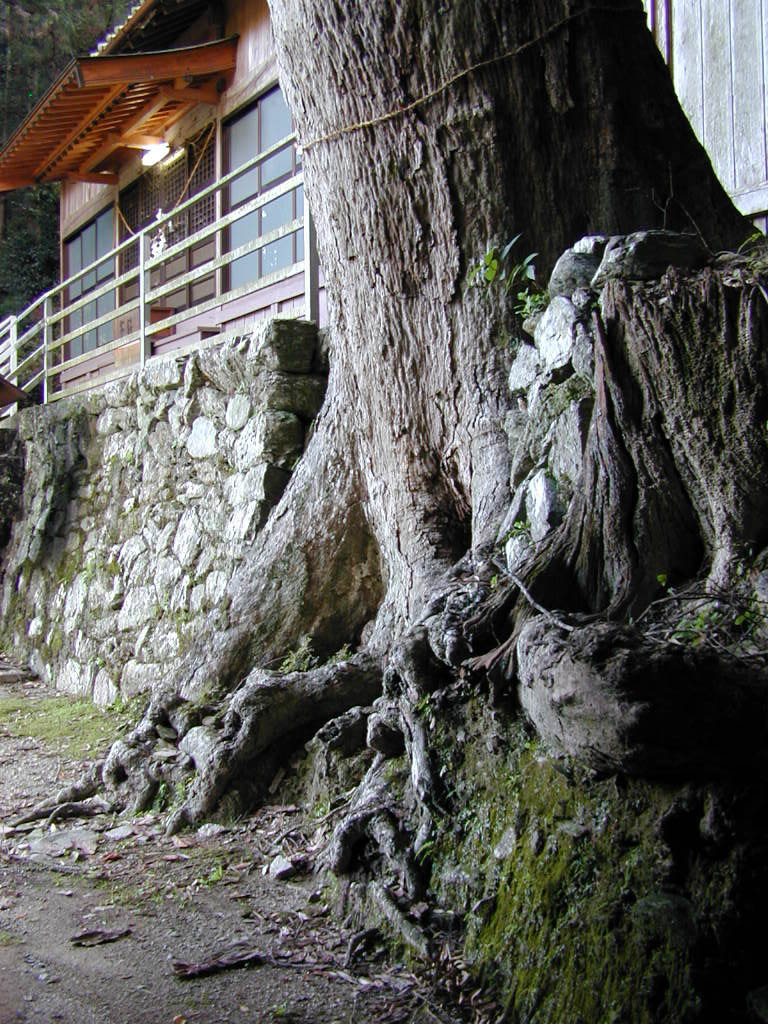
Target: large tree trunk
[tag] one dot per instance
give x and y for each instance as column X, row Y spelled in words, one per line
column 551, row 142
column 429, row 135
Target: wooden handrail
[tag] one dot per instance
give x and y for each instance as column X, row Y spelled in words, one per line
column 33, row 342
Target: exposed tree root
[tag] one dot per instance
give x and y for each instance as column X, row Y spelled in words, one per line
column 266, row 709
column 52, row 811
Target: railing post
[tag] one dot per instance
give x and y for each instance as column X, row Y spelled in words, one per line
column 46, row 343
column 144, row 342
column 311, row 270
column 13, row 358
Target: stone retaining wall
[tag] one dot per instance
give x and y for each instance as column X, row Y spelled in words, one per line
column 139, row 499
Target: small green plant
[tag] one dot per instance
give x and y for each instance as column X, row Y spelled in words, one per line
column 520, row 528
column 693, row 629
column 661, row 579
column 215, row 874
column 499, row 269
column 531, row 302
column 496, row 267
column 160, row 802
column 343, row 654
column 300, row 660
column 425, row 852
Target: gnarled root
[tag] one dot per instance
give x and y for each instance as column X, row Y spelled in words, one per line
column 271, row 708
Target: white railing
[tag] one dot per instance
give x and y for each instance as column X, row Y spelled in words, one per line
column 39, row 347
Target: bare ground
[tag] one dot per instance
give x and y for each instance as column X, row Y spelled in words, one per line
column 172, row 901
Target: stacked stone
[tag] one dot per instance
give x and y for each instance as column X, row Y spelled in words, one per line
column 552, row 377
column 139, row 500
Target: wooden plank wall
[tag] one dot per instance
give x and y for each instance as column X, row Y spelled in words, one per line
column 717, row 51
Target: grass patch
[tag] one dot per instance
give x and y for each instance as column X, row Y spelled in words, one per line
column 7, row 938
column 72, row 726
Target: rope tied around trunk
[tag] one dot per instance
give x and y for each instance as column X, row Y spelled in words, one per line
column 338, row 133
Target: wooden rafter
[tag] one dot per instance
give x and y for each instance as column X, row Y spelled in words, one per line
column 82, row 125
column 105, row 103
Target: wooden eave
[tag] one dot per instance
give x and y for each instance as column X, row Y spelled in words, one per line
column 102, row 105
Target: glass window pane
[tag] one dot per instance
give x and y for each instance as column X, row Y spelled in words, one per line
column 89, row 244
column 90, row 341
column 105, row 303
column 243, row 138
column 243, row 187
column 277, row 255
column 76, row 319
column 300, row 245
column 275, row 119
column 244, row 270
column 104, row 233
column 300, row 201
column 89, row 312
column 244, row 230
column 275, row 167
column 276, row 213
column 73, row 263
column 76, row 347
column 105, row 270
column 105, row 333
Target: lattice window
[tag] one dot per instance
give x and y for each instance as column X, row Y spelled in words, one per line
column 165, row 186
column 202, row 157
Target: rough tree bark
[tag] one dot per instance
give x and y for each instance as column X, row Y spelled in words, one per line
column 552, row 119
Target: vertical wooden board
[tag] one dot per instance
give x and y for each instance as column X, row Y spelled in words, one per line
column 747, row 31
column 250, row 22
column 718, row 87
column 663, row 28
column 687, row 62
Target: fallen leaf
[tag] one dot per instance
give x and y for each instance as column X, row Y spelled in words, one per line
column 182, row 842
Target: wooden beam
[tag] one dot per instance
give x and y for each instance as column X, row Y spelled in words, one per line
column 82, row 125
column 129, row 69
column 139, row 141
column 9, row 184
column 112, row 142
column 207, row 93
column 95, row 179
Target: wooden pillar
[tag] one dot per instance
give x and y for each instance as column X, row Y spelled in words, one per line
column 145, row 343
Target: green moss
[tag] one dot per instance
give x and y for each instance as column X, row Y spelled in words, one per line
column 55, row 641
column 74, row 727
column 69, row 567
column 571, row 921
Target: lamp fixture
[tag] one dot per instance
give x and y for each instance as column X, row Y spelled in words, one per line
column 154, row 154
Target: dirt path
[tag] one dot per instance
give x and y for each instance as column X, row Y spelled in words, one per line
column 183, row 900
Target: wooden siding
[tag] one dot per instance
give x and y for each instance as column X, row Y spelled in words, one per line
column 717, row 51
